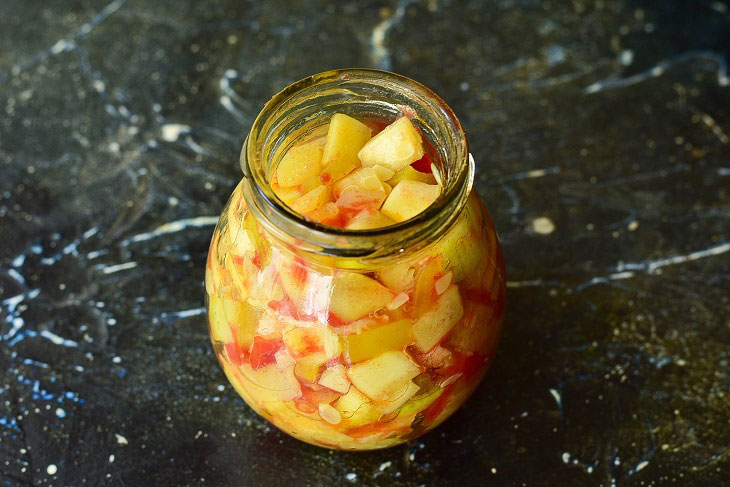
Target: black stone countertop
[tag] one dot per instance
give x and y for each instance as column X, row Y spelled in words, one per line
column 601, row 131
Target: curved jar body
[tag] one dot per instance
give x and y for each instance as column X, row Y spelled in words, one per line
column 354, row 346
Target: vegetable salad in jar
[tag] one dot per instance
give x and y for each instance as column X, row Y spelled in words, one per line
column 355, row 282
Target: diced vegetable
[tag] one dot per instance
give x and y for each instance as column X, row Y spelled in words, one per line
column 312, row 200
column 427, row 394
column 424, row 293
column 476, row 331
column 410, row 174
column 355, row 295
column 307, row 372
column 436, row 358
column 366, row 178
column 329, row 414
column 383, row 173
column 283, row 359
column 294, row 276
column 373, row 342
column 462, row 248
column 382, row 378
column 354, row 199
column 263, row 249
column 408, row 199
column 423, row 165
column 367, row 219
column 269, row 383
column 400, row 399
column 229, row 318
column 443, row 283
column 356, row 408
column 345, row 137
column 398, row 301
column 432, row 326
column 335, row 378
column 220, row 325
column 313, row 345
column 398, row 145
column 263, row 352
column 398, row 276
column 328, row 214
column 300, row 163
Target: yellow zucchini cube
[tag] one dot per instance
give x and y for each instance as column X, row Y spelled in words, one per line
column 432, row 326
column 345, row 137
column 355, row 295
column 314, row 199
column 384, row 377
column 410, row 174
column 397, row 146
column 301, row 162
column 371, row 343
column 408, row 199
column 367, row 219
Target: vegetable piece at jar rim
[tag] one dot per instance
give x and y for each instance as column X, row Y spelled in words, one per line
column 353, row 180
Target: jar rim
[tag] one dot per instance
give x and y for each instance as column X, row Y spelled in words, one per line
column 362, row 243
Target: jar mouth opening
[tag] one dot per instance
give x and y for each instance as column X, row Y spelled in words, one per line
column 320, row 96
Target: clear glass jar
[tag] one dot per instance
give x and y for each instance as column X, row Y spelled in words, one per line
column 354, row 339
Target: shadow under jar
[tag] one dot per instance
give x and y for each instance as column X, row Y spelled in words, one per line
column 354, row 339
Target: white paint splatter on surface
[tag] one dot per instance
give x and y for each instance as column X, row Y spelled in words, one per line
column 378, row 50
column 172, row 131
column 118, row 267
column 49, row 335
column 543, row 225
column 557, row 397
column 173, row 227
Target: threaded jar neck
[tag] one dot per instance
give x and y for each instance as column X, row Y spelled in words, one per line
column 298, row 110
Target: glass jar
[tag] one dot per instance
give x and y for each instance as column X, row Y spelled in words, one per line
column 354, row 339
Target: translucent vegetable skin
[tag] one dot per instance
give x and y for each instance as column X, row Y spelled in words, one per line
column 354, row 360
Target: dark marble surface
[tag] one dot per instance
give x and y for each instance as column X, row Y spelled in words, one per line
column 601, row 131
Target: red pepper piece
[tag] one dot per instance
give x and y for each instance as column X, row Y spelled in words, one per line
column 286, row 307
column 423, row 164
column 235, row 354
column 263, row 350
column 256, row 260
column 335, row 320
column 283, row 306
